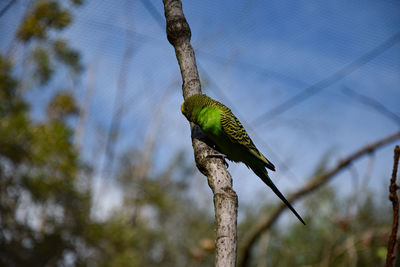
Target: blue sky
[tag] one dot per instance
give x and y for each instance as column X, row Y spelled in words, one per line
column 252, row 56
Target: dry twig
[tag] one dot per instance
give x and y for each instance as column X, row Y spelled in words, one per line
column 395, row 201
column 266, row 222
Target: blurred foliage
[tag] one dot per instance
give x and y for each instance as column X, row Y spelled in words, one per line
column 39, row 26
column 42, row 212
column 67, row 55
column 43, row 66
column 8, row 103
column 156, row 206
column 62, row 105
column 44, row 16
column 340, row 231
column 46, row 200
column 333, row 236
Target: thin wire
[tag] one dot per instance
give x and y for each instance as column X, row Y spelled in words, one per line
column 298, row 98
column 323, row 84
column 160, row 21
column 6, row 7
column 255, row 68
column 310, row 90
column 154, row 13
column 373, row 103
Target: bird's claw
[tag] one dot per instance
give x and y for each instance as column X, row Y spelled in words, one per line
column 220, row 156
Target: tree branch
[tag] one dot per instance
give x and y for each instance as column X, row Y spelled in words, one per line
column 118, row 108
column 395, row 201
column 219, row 179
column 266, row 222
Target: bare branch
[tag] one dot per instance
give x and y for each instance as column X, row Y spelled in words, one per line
column 266, row 222
column 118, row 108
column 84, row 110
column 395, row 201
column 219, row 179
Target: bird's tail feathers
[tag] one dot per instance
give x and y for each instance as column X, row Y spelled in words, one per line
column 262, row 173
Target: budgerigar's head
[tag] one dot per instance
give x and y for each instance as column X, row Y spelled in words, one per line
column 193, row 105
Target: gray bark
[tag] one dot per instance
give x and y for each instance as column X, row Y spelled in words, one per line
column 219, row 179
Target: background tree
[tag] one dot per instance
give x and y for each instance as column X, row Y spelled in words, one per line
column 43, row 211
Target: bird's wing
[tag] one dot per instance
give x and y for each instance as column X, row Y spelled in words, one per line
column 237, row 134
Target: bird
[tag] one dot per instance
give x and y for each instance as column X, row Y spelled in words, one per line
column 230, row 138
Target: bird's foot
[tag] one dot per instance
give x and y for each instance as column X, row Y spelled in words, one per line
column 220, row 156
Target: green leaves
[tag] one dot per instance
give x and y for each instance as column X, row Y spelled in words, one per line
column 62, row 105
column 14, row 138
column 44, row 68
column 44, row 60
column 43, row 211
column 67, row 55
column 334, row 235
column 44, row 16
column 8, row 84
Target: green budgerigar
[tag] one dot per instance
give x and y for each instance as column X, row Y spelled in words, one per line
column 230, row 138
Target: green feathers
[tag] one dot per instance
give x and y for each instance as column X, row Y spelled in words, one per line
column 228, row 134
column 218, row 122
